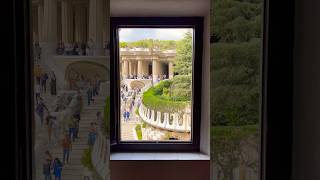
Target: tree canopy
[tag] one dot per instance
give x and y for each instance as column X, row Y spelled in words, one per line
column 150, row 43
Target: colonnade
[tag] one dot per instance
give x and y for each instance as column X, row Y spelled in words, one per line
column 71, row 21
column 140, row 69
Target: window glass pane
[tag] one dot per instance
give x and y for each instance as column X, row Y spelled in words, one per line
column 235, row 89
column 71, row 89
column 155, row 69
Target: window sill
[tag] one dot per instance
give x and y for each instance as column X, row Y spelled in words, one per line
column 122, row 156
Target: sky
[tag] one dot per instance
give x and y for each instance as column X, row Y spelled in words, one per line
column 136, row 34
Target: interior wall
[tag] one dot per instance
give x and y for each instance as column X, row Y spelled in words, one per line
column 306, row 136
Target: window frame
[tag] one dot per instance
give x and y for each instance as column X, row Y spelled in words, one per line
column 156, row 22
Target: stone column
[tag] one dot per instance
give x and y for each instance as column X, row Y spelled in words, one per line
column 125, row 69
column 50, row 26
column 67, row 21
column 155, row 70
column 139, row 69
column 135, row 68
column 96, row 25
column 40, row 21
column 170, row 70
column 130, row 68
column 80, row 23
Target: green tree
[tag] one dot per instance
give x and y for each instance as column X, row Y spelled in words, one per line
column 183, row 59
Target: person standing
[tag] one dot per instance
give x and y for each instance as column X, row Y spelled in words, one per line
column 53, row 84
column 67, row 147
column 72, row 128
column 57, row 169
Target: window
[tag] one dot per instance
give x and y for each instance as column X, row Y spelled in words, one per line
column 156, row 94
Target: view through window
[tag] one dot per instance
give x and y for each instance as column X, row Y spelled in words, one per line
column 155, row 67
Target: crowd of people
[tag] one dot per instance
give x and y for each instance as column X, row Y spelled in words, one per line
column 129, row 99
column 78, row 48
column 145, row 76
column 70, row 134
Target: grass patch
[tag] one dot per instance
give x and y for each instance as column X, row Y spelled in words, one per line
column 86, row 159
column 138, row 131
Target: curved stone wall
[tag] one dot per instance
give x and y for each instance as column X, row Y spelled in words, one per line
column 180, row 122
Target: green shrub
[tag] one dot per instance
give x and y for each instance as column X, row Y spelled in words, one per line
column 86, row 159
column 138, row 131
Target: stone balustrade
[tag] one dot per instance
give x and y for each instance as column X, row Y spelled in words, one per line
column 100, row 155
column 180, row 123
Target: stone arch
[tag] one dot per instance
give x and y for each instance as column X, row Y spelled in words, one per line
column 84, row 71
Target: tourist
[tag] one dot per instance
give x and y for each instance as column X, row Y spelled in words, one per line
column 47, row 169
column 60, row 48
column 55, row 131
column 92, row 135
column 90, row 46
column 53, row 84
column 127, row 115
column 89, row 94
column 40, row 110
column 164, row 76
column 44, row 78
column 37, row 91
column 50, row 123
column 72, row 128
column 38, row 73
column 66, row 146
column 57, row 169
column 139, row 102
column 77, row 117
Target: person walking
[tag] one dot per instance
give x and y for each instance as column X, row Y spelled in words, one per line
column 67, row 147
column 125, row 116
column 47, row 165
column 89, row 94
column 53, row 84
column 92, row 135
column 57, row 169
column 50, row 125
column 77, row 118
column 72, row 128
column 47, row 170
column 40, row 110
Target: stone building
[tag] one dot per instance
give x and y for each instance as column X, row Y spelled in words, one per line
column 145, row 62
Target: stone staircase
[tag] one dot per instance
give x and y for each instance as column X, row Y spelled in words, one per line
column 74, row 170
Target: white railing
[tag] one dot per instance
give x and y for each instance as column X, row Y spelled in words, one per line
column 100, row 155
column 162, row 120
